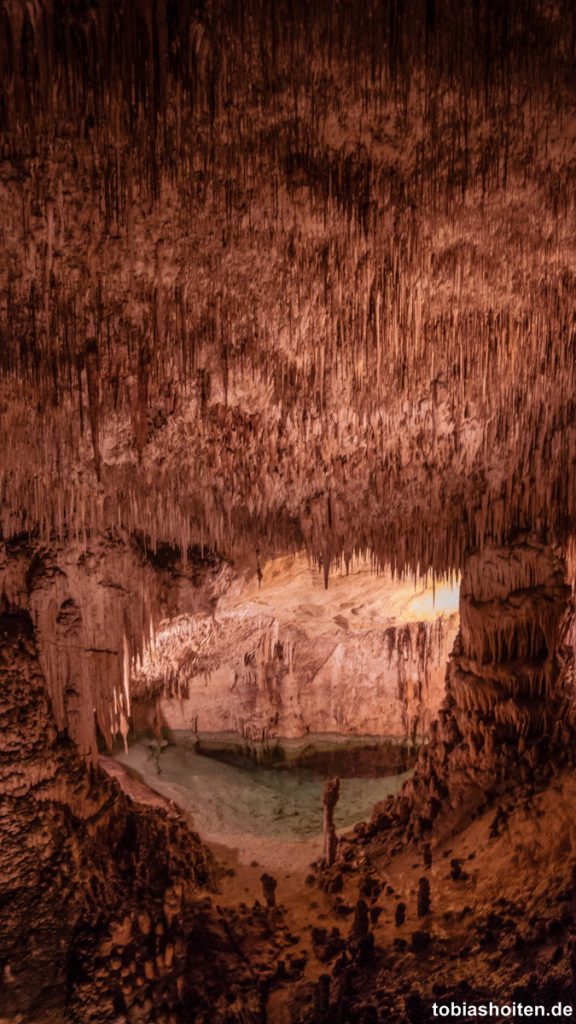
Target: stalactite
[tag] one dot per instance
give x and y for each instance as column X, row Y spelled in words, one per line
column 93, row 387
column 287, row 304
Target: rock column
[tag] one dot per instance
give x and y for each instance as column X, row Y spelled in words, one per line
column 508, row 711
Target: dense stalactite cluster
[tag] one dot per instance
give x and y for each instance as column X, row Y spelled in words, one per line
column 508, row 714
column 289, row 276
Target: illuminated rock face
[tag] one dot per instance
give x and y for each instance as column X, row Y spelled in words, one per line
column 287, row 657
column 279, row 683
column 116, row 625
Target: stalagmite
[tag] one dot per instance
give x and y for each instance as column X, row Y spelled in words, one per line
column 330, row 799
column 360, row 925
column 269, row 885
column 423, row 897
column 400, row 914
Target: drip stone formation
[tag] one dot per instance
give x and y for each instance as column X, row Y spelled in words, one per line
column 287, row 510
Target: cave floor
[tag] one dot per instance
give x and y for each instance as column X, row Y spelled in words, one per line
column 521, row 876
column 514, row 876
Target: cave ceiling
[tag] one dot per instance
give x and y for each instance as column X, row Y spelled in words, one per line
column 286, row 275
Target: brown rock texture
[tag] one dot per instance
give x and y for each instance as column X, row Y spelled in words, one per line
column 508, row 716
column 83, row 867
column 94, row 609
column 293, row 277
column 285, row 277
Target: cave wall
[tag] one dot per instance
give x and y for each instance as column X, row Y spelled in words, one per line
column 279, row 275
column 281, row 654
column 508, row 717
column 265, row 679
column 94, row 608
column 123, row 632
column 96, row 886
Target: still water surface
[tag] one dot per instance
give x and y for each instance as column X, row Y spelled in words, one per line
column 226, row 800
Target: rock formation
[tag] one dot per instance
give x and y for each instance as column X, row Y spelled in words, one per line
column 87, row 872
column 94, row 609
column 257, row 299
column 508, row 715
column 289, row 658
column 286, row 279
column 330, row 799
column 423, row 897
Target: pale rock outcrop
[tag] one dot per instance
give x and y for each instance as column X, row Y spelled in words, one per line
column 286, row 658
